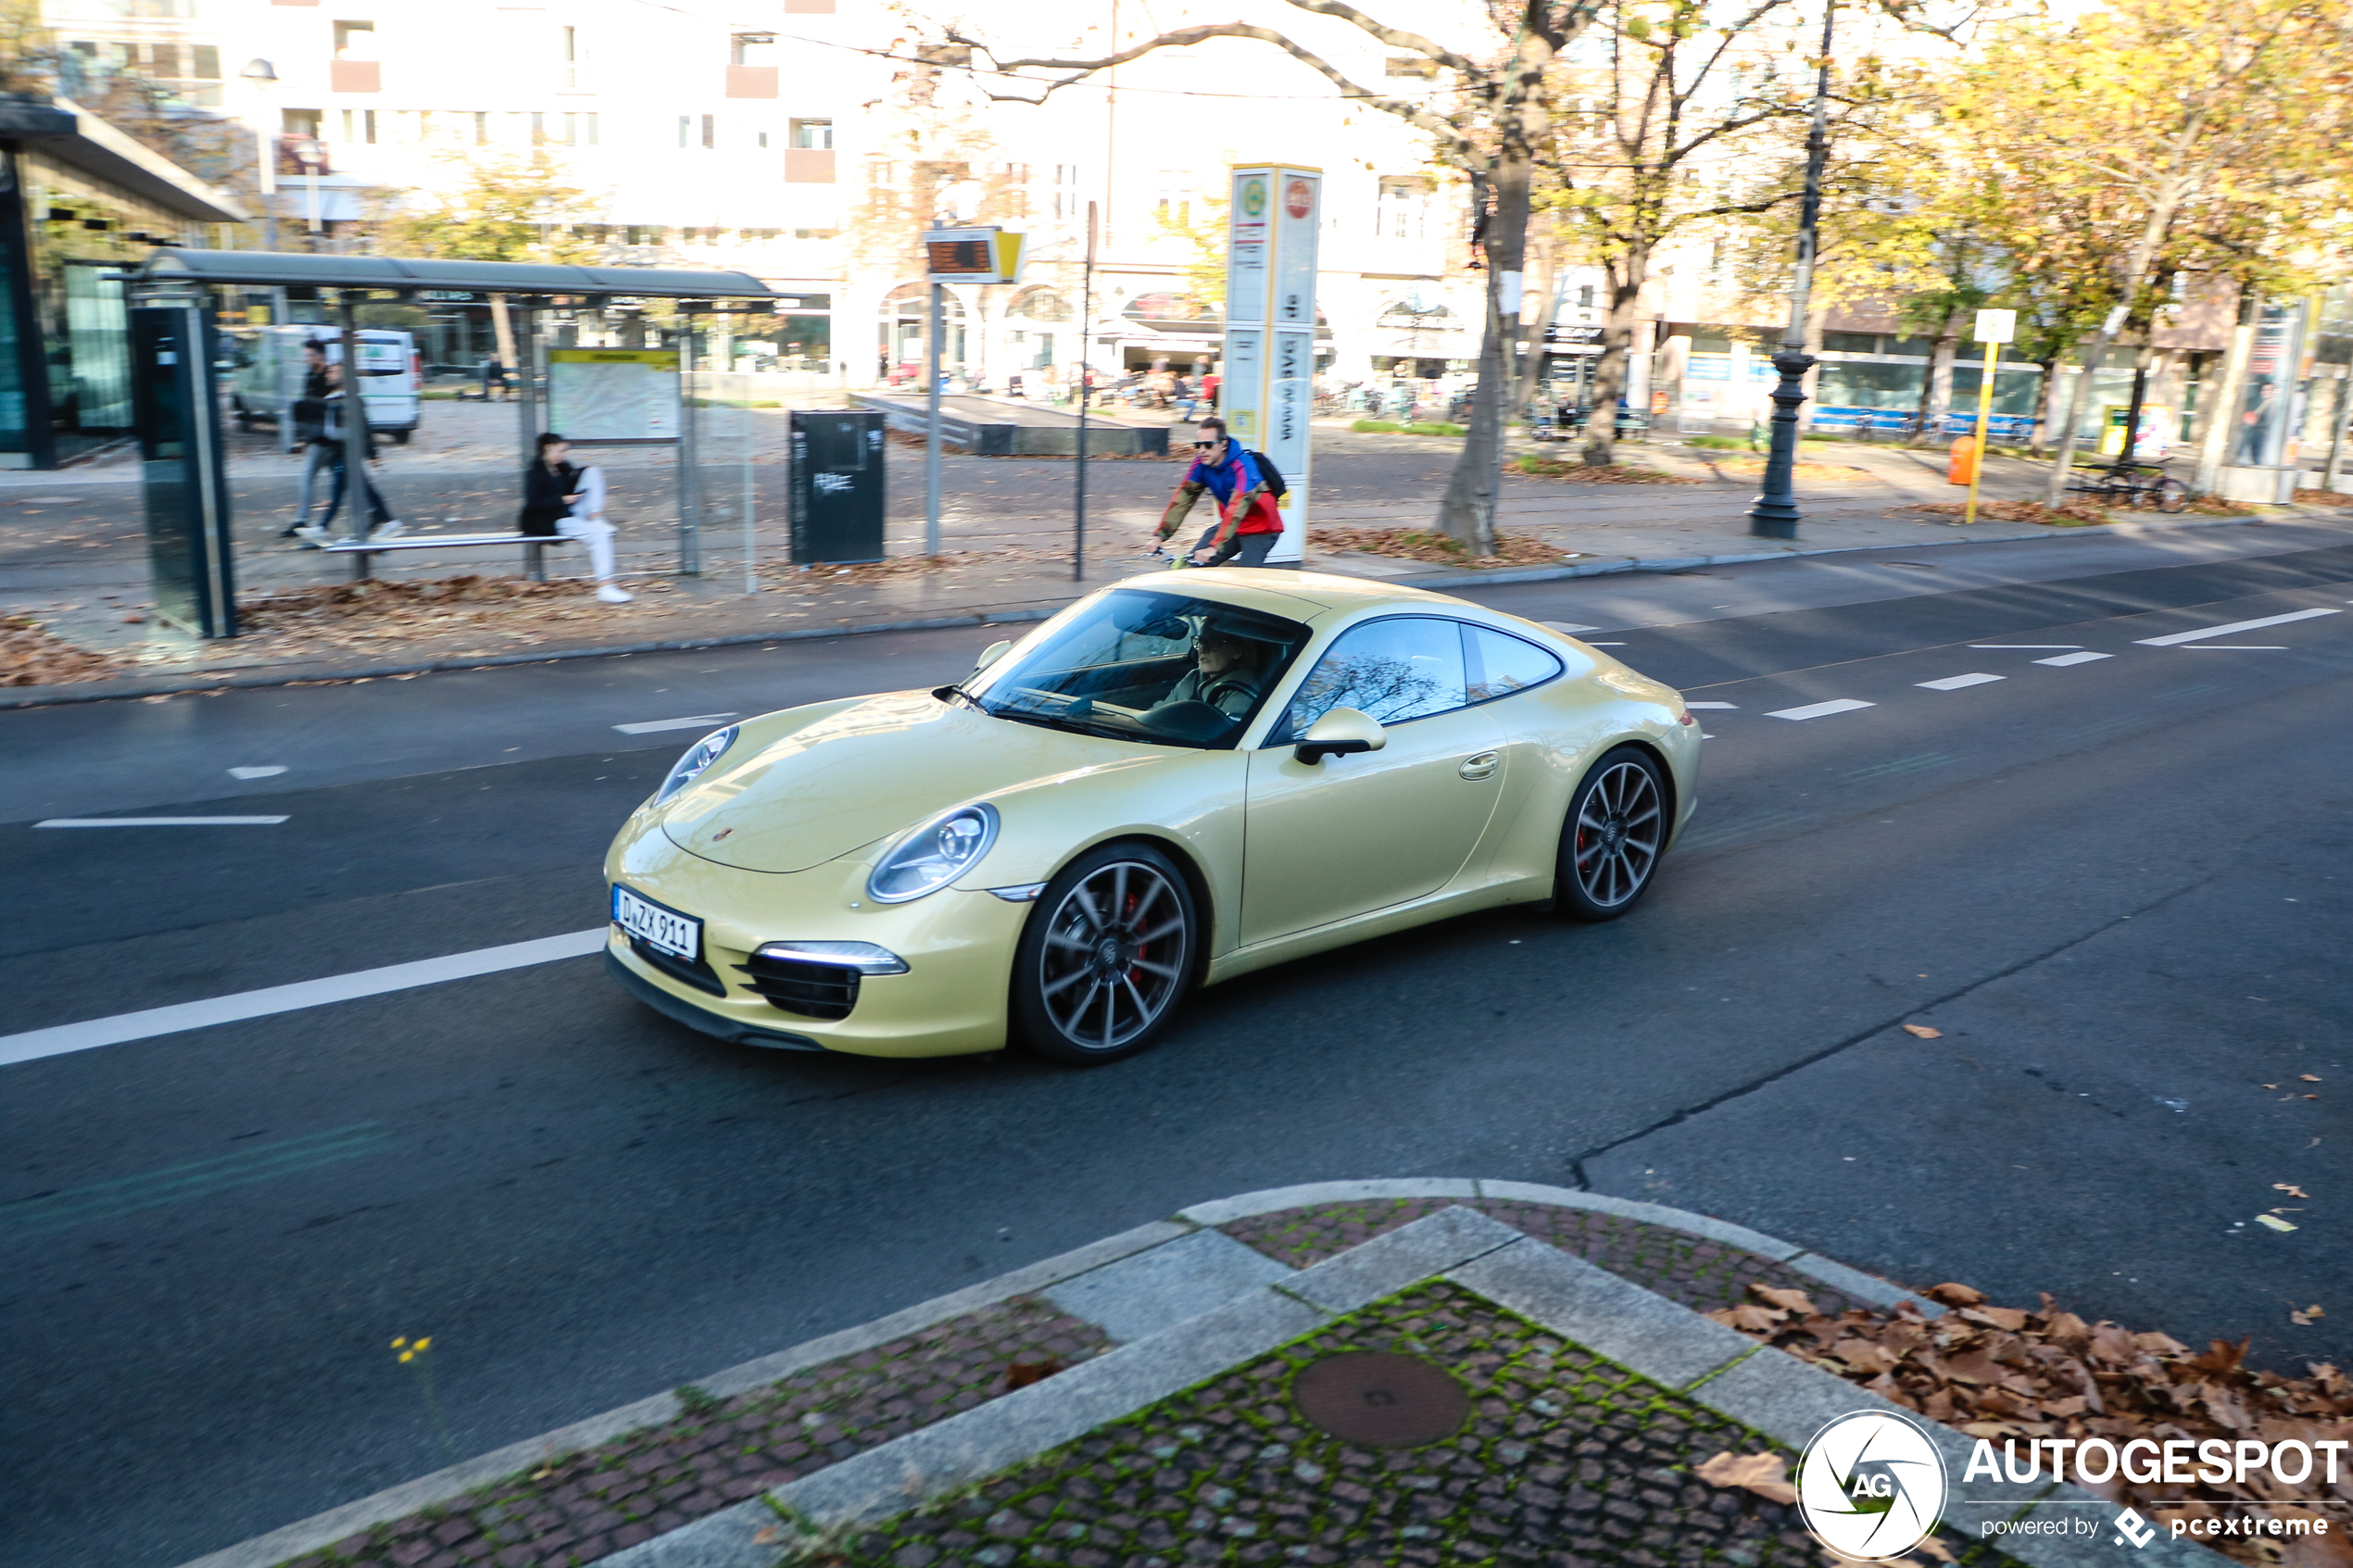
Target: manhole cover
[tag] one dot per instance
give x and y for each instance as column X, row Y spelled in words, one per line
column 1380, row 1401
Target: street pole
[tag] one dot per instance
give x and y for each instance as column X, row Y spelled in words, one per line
column 355, row 420
column 1086, row 332
column 1984, row 418
column 931, row 437
column 1775, row 514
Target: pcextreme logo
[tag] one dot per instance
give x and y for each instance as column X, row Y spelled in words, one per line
column 1870, row 1486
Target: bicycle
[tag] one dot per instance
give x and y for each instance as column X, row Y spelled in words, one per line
column 2129, row 483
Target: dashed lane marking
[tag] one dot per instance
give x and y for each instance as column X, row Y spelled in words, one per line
column 2067, row 659
column 1821, row 710
column 655, row 727
column 2027, row 645
column 2172, row 639
column 270, row 771
column 159, row 822
column 34, row 1044
column 1954, row 683
column 2242, row 647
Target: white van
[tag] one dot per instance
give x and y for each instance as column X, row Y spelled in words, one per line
column 268, row 378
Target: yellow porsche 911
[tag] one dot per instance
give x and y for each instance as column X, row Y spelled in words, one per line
column 1173, row 781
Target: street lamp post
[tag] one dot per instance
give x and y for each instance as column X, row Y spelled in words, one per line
column 1775, row 514
column 262, row 77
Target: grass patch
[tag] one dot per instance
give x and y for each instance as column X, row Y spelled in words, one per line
column 1716, row 443
column 1376, row 427
column 1425, row 427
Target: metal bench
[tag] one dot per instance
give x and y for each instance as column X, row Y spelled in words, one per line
column 363, row 551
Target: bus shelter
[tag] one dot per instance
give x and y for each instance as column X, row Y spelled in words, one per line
column 612, row 352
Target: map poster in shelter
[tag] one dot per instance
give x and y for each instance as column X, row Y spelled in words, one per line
column 614, row 393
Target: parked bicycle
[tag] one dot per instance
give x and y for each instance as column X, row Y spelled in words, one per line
column 2130, row 483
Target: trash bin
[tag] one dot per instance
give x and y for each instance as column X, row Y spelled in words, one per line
column 1962, row 466
column 837, row 485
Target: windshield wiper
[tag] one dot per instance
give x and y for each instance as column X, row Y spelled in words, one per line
column 1056, row 721
column 951, row 693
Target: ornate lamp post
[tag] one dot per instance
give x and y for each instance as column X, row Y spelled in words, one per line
column 1775, row 514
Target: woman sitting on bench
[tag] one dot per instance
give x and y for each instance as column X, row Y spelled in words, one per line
column 560, row 501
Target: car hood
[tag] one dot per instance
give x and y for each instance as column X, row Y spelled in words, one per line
column 868, row 771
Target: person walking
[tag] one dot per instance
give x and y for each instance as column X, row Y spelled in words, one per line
column 561, row 501
column 381, row 523
column 309, row 415
column 1247, row 523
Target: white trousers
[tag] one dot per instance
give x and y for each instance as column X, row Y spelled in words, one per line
column 587, row 524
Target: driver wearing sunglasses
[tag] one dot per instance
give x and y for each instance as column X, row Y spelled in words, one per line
column 1247, row 524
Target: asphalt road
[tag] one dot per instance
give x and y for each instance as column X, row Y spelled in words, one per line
column 2118, row 887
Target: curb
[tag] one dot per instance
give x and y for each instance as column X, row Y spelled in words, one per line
column 1769, row 1390
column 170, row 685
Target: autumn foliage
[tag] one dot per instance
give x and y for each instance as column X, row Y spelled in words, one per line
column 2004, row 1372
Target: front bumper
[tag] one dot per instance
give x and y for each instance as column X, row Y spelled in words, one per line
column 958, row 945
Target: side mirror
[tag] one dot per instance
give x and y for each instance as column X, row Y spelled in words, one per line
column 990, row 655
column 1342, row 733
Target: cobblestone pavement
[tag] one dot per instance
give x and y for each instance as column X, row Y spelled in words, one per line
column 1566, row 1459
column 578, row 1508
column 581, row 1506
column 1686, row 1269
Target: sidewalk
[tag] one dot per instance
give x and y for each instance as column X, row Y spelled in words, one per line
column 1415, row 1372
column 75, row 626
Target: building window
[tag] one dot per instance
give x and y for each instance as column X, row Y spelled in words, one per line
column 580, row 130
column 1066, row 204
column 354, row 40
column 1584, row 296
column 359, row 127
column 709, row 131
column 752, row 49
column 481, row 128
column 572, row 59
column 1404, row 210
column 813, row 133
column 300, row 123
column 685, row 131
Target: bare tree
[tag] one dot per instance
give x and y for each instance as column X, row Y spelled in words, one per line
column 1500, row 117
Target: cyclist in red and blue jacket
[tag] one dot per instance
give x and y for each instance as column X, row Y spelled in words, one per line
column 1247, row 523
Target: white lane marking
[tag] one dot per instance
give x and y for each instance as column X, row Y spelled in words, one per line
column 655, row 727
column 2067, row 659
column 2027, row 645
column 1821, row 710
column 1604, row 645
column 2203, row 632
column 65, row 1037
column 1695, row 705
column 1954, row 683
column 1566, row 628
column 270, row 772
column 2251, row 647
column 159, row 822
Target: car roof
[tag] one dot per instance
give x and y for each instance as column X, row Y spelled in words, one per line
column 1278, row 592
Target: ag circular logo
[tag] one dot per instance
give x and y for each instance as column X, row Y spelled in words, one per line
column 1871, row 1485
column 1255, row 197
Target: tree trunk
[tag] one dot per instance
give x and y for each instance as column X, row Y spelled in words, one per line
column 1817, row 321
column 1468, row 511
column 2046, row 406
column 2335, row 467
column 2136, row 274
column 1627, row 273
column 1532, row 368
column 2221, row 415
column 503, row 326
column 1936, row 391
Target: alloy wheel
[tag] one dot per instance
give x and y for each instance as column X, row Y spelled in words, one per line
column 1619, row 827
column 1114, row 955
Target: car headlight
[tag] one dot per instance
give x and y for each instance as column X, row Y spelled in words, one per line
column 699, row 756
column 934, row 855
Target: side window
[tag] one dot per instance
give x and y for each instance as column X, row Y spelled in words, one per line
column 1394, row 671
column 1502, row 664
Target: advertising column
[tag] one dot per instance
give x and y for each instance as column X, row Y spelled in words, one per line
column 1269, row 389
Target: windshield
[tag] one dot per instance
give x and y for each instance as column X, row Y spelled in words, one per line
column 1144, row 666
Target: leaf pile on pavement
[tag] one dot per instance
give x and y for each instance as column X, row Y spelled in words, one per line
column 1746, row 467
column 32, row 655
column 381, row 597
column 1538, row 467
column 2071, row 514
column 2311, row 497
column 1414, row 543
column 2007, row 1374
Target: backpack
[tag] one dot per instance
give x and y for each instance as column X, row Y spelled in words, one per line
column 1271, row 474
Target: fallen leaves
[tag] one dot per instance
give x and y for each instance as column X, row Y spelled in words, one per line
column 2013, row 1374
column 1537, row 466
column 2306, row 1317
column 2274, row 1222
column 1413, row 544
column 32, row 655
column 1923, row 1031
column 1765, row 1475
column 2291, row 1189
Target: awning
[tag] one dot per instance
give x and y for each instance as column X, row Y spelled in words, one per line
column 73, row 136
column 267, row 269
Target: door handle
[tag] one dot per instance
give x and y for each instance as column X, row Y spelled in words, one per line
column 1483, row 766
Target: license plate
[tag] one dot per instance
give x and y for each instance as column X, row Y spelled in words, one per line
column 679, row 935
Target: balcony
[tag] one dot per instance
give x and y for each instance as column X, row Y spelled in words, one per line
column 809, row 166
column 751, row 82
column 356, row 76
